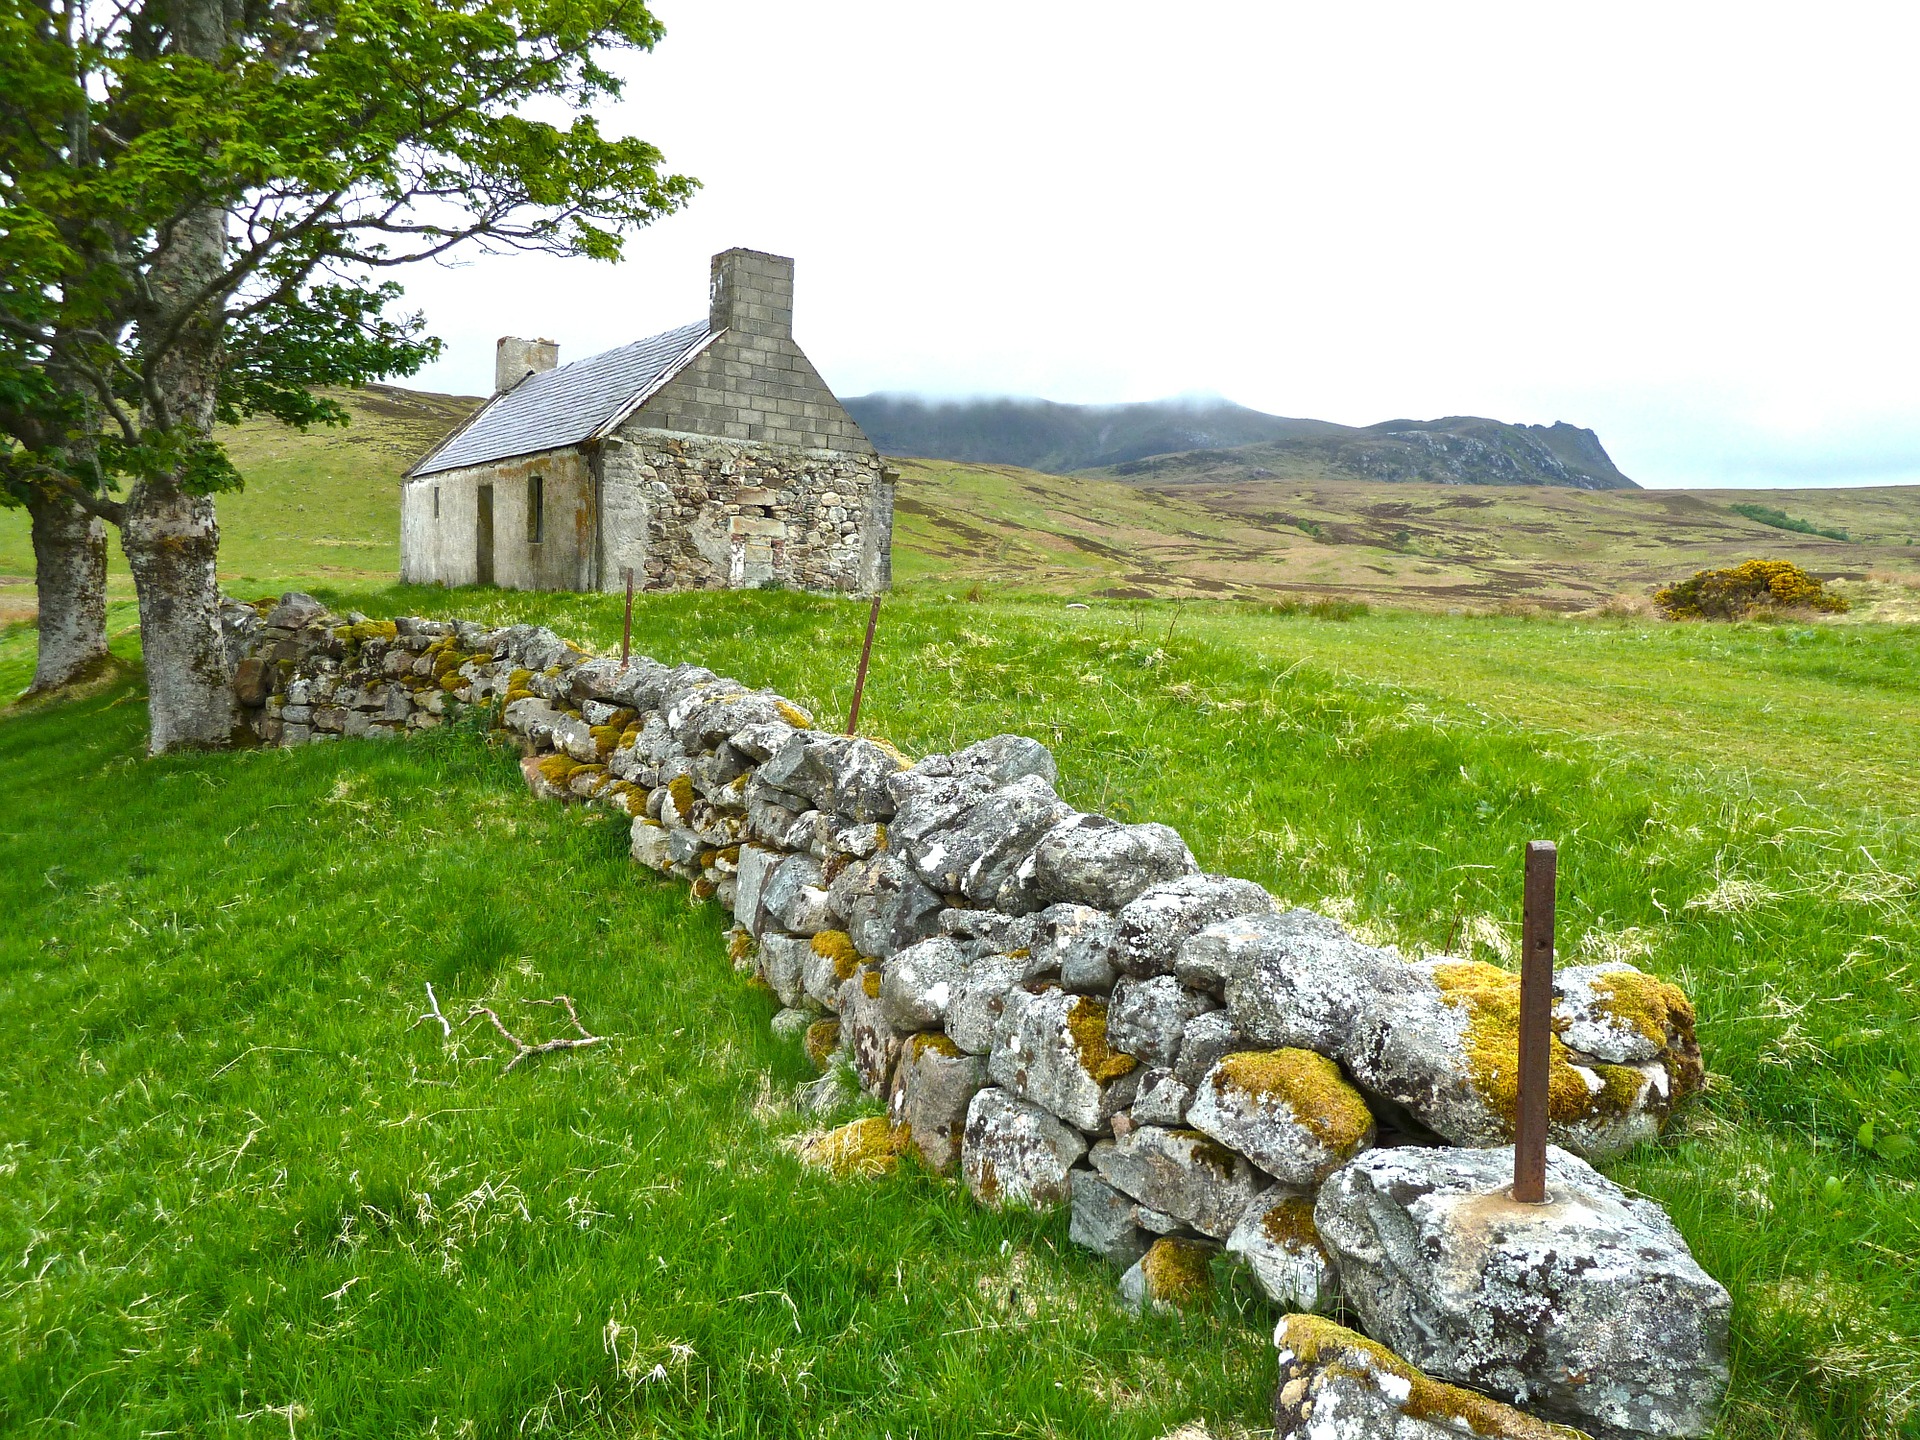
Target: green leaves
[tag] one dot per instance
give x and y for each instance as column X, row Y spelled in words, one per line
column 340, row 138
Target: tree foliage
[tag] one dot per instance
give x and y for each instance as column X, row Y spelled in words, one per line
column 339, row 139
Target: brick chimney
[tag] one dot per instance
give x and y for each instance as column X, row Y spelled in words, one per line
column 752, row 293
column 514, row 359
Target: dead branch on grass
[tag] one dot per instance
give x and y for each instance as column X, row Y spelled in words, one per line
column 433, row 1013
column 546, row 1047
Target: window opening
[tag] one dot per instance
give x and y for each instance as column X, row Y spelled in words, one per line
column 536, row 509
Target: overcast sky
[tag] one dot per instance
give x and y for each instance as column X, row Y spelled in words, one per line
column 1689, row 227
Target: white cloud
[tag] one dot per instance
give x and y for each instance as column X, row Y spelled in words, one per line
column 1691, row 228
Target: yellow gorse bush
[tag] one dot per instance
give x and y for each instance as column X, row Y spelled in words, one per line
column 1754, row 587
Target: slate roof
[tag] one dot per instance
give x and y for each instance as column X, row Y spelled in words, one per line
column 566, row 405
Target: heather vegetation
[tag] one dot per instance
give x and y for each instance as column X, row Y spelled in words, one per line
column 250, row 1190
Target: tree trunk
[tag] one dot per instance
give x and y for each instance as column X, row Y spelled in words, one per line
column 170, row 536
column 70, row 574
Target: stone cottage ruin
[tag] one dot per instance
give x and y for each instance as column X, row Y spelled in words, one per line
column 711, row 456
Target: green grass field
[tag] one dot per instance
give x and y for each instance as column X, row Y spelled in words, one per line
column 248, row 1195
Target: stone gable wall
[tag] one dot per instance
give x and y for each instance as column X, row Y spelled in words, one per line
column 1061, row 1010
column 689, row 511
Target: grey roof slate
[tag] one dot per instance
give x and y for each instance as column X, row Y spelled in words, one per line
column 565, row 405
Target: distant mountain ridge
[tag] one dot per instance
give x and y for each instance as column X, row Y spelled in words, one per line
column 1218, row 442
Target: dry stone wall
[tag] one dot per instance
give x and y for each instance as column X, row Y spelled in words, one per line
column 1064, row 1010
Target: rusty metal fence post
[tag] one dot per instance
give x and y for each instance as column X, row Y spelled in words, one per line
column 1536, row 1024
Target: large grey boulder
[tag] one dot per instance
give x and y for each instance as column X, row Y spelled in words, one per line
column 1147, row 1018
column 1288, row 1111
column 1091, row 860
column 1589, row 1308
column 1282, row 1251
column 1013, row 1152
column 885, row 906
column 1181, row 1173
column 1051, row 1048
column 1336, row 1384
column 1158, row 921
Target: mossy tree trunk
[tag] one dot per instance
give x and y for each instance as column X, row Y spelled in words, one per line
column 70, row 577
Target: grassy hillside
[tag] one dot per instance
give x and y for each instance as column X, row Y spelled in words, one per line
column 247, row 1190
column 326, row 505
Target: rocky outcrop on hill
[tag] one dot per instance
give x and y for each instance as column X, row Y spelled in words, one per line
column 1217, row 442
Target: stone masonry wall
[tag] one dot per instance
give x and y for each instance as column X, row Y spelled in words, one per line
column 695, row 512
column 1063, row 1010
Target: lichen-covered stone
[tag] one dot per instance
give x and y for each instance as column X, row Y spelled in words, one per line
column 1589, row 1308
column 1013, row 1152
column 1147, row 1018
column 919, row 982
column 1283, row 1252
column 1206, row 1038
column 648, row 844
column 933, row 1085
column 1004, row 759
column 755, row 867
column 1616, row 1013
column 979, row 844
column 830, row 963
column 872, row 1040
column 988, row 932
column 1091, row 860
column 846, row 774
column 886, row 907
column 794, row 897
column 1173, row 1275
column 783, row 960
column 1156, row 923
column 1162, row 1100
column 1289, row 1111
column 1078, row 941
column 1052, row 1049
column 1183, row 1173
column 822, row 1040
column 1103, row 1220
column 1335, row 1384
column 977, row 1005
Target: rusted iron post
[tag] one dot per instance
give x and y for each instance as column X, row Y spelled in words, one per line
column 1536, row 1024
column 626, row 626
column 860, row 680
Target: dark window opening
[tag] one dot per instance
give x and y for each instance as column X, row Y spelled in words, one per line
column 536, row 509
column 436, row 502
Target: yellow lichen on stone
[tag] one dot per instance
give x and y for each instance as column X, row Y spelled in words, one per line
column 822, row 1039
column 558, row 767
column 870, row 983
column 1310, row 1084
column 837, row 946
column 1178, row 1273
column 605, row 738
column 680, row 789
column 1657, row 1009
column 934, row 1040
column 452, row 681
column 869, row 1147
column 1209, row 1152
column 1087, row 1024
column 793, row 714
column 1317, row 1342
column 1291, row 1223
column 1490, row 998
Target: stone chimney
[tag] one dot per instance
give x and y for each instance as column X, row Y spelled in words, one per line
column 514, row 359
column 752, row 293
